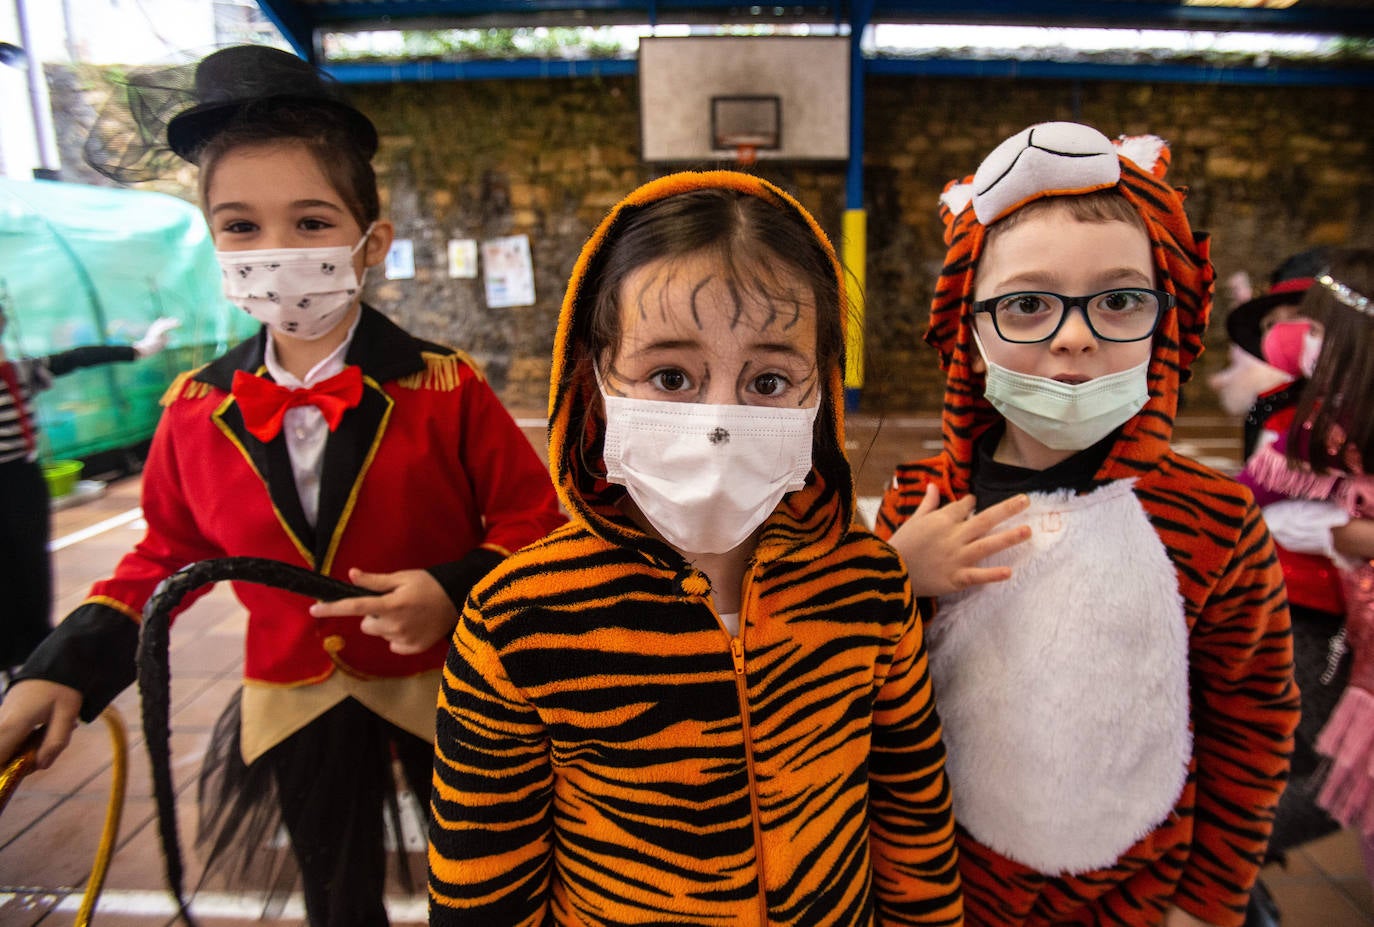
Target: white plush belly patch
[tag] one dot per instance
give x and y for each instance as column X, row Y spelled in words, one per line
column 1064, row 691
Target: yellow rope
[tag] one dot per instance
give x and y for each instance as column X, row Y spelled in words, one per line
column 114, row 808
column 24, row 761
column 19, row 766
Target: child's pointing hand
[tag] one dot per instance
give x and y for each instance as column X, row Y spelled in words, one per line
column 942, row 547
column 412, row 611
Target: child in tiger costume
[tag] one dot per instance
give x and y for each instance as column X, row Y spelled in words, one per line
column 1119, row 708
column 705, row 700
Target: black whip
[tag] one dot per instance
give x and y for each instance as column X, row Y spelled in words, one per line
column 155, row 673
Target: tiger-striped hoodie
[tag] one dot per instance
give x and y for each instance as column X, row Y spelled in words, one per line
column 608, row 754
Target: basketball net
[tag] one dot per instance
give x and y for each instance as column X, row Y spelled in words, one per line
column 746, row 155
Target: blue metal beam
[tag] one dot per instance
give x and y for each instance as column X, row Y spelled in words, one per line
column 517, row 69
column 1137, row 73
column 1064, row 13
column 295, row 23
column 396, row 12
column 545, row 68
column 854, row 176
column 1136, row 14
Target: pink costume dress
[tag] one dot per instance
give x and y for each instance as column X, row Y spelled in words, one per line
column 1347, row 740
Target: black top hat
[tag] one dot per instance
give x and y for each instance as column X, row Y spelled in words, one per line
column 164, row 114
column 233, row 79
column 1287, row 287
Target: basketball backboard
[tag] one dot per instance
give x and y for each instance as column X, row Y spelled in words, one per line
column 704, row 98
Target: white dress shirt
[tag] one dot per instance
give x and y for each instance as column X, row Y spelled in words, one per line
column 304, row 426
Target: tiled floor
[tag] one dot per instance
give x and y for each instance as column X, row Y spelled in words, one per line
column 49, row 832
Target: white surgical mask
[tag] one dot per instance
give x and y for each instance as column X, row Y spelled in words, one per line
column 1311, row 350
column 1066, row 416
column 299, row 292
column 706, row 476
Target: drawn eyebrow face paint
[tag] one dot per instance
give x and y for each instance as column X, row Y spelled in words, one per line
column 692, row 331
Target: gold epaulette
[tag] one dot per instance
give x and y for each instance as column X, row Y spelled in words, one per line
column 441, row 371
column 184, row 387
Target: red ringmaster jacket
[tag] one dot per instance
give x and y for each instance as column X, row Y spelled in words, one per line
column 427, row 471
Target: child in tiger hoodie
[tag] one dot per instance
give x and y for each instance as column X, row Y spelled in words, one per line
column 705, row 700
column 1119, row 708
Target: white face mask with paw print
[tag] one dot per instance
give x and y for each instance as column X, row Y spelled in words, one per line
column 706, row 476
column 298, row 292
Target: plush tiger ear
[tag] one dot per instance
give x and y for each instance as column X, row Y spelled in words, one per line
column 953, row 201
column 955, row 198
column 1148, row 152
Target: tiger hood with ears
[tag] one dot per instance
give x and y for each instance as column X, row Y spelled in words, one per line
column 822, row 511
column 1144, row 626
column 1065, row 159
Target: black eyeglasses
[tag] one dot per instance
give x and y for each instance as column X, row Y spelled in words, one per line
column 1124, row 314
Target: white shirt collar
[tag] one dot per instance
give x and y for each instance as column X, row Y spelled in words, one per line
column 325, row 369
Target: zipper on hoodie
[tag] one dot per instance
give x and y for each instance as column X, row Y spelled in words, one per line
column 742, row 694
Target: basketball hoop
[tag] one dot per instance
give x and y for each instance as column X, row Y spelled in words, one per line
column 746, row 124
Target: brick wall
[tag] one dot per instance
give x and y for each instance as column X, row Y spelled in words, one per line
column 1271, row 171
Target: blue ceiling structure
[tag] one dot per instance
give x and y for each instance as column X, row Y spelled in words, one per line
column 1352, row 17
column 304, row 21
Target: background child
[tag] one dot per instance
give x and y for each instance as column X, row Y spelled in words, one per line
column 1246, row 376
column 1119, row 711
column 1320, row 460
column 1250, row 387
column 1302, row 531
column 705, row 700
column 25, row 513
column 1270, row 330
column 331, row 440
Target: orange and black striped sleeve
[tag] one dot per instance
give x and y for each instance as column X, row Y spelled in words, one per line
column 491, row 828
column 902, row 497
column 1244, row 714
column 915, row 863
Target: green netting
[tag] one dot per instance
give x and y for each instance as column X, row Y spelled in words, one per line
column 82, row 265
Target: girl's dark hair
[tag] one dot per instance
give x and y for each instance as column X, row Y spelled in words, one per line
column 765, row 246
column 1333, row 427
column 323, row 132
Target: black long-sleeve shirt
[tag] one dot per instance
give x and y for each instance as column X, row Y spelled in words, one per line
column 32, row 374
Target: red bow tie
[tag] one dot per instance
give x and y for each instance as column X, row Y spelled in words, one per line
column 264, row 403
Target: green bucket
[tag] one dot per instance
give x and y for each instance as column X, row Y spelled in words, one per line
column 62, row 476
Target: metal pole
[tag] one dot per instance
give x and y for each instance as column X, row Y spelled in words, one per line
column 855, row 247
column 67, row 31
column 49, row 163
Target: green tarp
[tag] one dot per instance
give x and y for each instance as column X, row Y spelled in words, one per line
column 83, row 265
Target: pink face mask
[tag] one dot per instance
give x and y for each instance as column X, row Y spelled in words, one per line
column 1283, row 346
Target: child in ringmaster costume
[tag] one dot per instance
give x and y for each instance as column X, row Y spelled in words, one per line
column 331, row 440
column 1119, row 711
